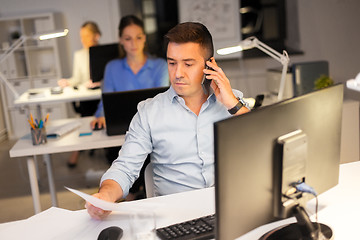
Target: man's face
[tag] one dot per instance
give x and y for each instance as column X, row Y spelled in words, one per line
column 185, row 65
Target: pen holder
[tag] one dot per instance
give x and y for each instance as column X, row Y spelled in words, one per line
column 38, row 136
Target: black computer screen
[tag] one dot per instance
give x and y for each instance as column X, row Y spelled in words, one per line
column 118, row 116
column 246, row 157
column 99, row 56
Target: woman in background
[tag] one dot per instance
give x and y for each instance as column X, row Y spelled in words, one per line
column 89, row 36
column 135, row 69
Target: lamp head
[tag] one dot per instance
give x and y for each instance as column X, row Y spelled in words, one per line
column 245, row 44
column 51, row 35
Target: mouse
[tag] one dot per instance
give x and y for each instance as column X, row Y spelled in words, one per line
column 111, row 233
column 97, row 128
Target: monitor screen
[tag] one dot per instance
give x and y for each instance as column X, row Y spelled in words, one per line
column 118, row 116
column 247, row 159
column 99, row 56
column 306, row 73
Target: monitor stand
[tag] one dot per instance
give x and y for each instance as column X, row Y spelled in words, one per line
column 303, row 229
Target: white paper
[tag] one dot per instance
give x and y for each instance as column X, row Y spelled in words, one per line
column 105, row 205
column 124, row 207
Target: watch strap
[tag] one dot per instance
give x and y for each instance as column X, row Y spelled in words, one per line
column 237, row 107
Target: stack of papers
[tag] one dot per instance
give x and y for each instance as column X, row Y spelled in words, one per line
column 58, row 131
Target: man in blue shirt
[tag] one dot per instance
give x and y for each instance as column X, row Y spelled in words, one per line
column 176, row 127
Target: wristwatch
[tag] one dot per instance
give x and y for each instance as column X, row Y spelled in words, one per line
column 237, row 107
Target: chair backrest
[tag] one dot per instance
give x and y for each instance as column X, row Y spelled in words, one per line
column 149, row 181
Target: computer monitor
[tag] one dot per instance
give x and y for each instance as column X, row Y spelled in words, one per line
column 99, row 56
column 120, row 107
column 305, row 74
column 250, row 149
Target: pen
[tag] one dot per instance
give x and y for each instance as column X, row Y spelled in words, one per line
column 40, row 124
column 32, row 119
column 37, row 123
column 31, row 124
column 47, row 117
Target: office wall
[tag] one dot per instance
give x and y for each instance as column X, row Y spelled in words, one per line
column 73, row 14
column 328, row 30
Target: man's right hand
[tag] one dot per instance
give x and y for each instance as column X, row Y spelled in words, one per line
column 95, row 212
column 109, row 191
column 100, row 122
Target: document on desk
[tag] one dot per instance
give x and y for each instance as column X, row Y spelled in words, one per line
column 124, row 207
column 58, row 131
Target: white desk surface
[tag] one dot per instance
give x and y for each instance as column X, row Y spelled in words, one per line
column 68, row 95
column 56, row 223
column 67, row 143
column 339, row 208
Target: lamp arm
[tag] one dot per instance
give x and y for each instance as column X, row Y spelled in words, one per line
column 282, row 81
column 282, row 58
column 3, row 78
column 3, row 57
column 12, row 48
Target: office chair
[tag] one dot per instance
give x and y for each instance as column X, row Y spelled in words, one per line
column 149, row 181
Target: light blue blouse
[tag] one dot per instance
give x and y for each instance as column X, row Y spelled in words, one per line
column 118, row 76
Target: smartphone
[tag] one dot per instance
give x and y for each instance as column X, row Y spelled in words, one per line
column 205, row 83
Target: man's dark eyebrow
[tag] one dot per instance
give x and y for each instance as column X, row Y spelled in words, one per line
column 183, row 60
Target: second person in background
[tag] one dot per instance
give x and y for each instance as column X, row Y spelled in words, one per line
column 89, row 36
column 135, row 69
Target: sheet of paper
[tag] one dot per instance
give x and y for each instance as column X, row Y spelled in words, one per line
column 124, row 207
column 108, row 206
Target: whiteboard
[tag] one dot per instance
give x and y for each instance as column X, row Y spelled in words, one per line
column 221, row 17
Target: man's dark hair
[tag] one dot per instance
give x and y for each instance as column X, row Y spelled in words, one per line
column 192, row 32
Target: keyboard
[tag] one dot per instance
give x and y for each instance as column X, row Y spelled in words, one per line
column 199, row 228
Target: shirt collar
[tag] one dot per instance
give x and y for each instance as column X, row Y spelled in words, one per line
column 172, row 94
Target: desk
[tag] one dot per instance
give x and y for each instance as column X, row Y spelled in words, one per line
column 68, row 143
column 69, row 95
column 338, row 208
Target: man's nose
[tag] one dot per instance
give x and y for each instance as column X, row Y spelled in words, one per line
column 179, row 71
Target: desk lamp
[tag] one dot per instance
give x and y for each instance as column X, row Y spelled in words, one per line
column 18, row 43
column 253, row 42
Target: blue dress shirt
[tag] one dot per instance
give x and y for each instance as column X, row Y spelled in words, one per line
column 118, row 76
column 180, row 144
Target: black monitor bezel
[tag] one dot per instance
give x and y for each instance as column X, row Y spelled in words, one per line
column 239, row 139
